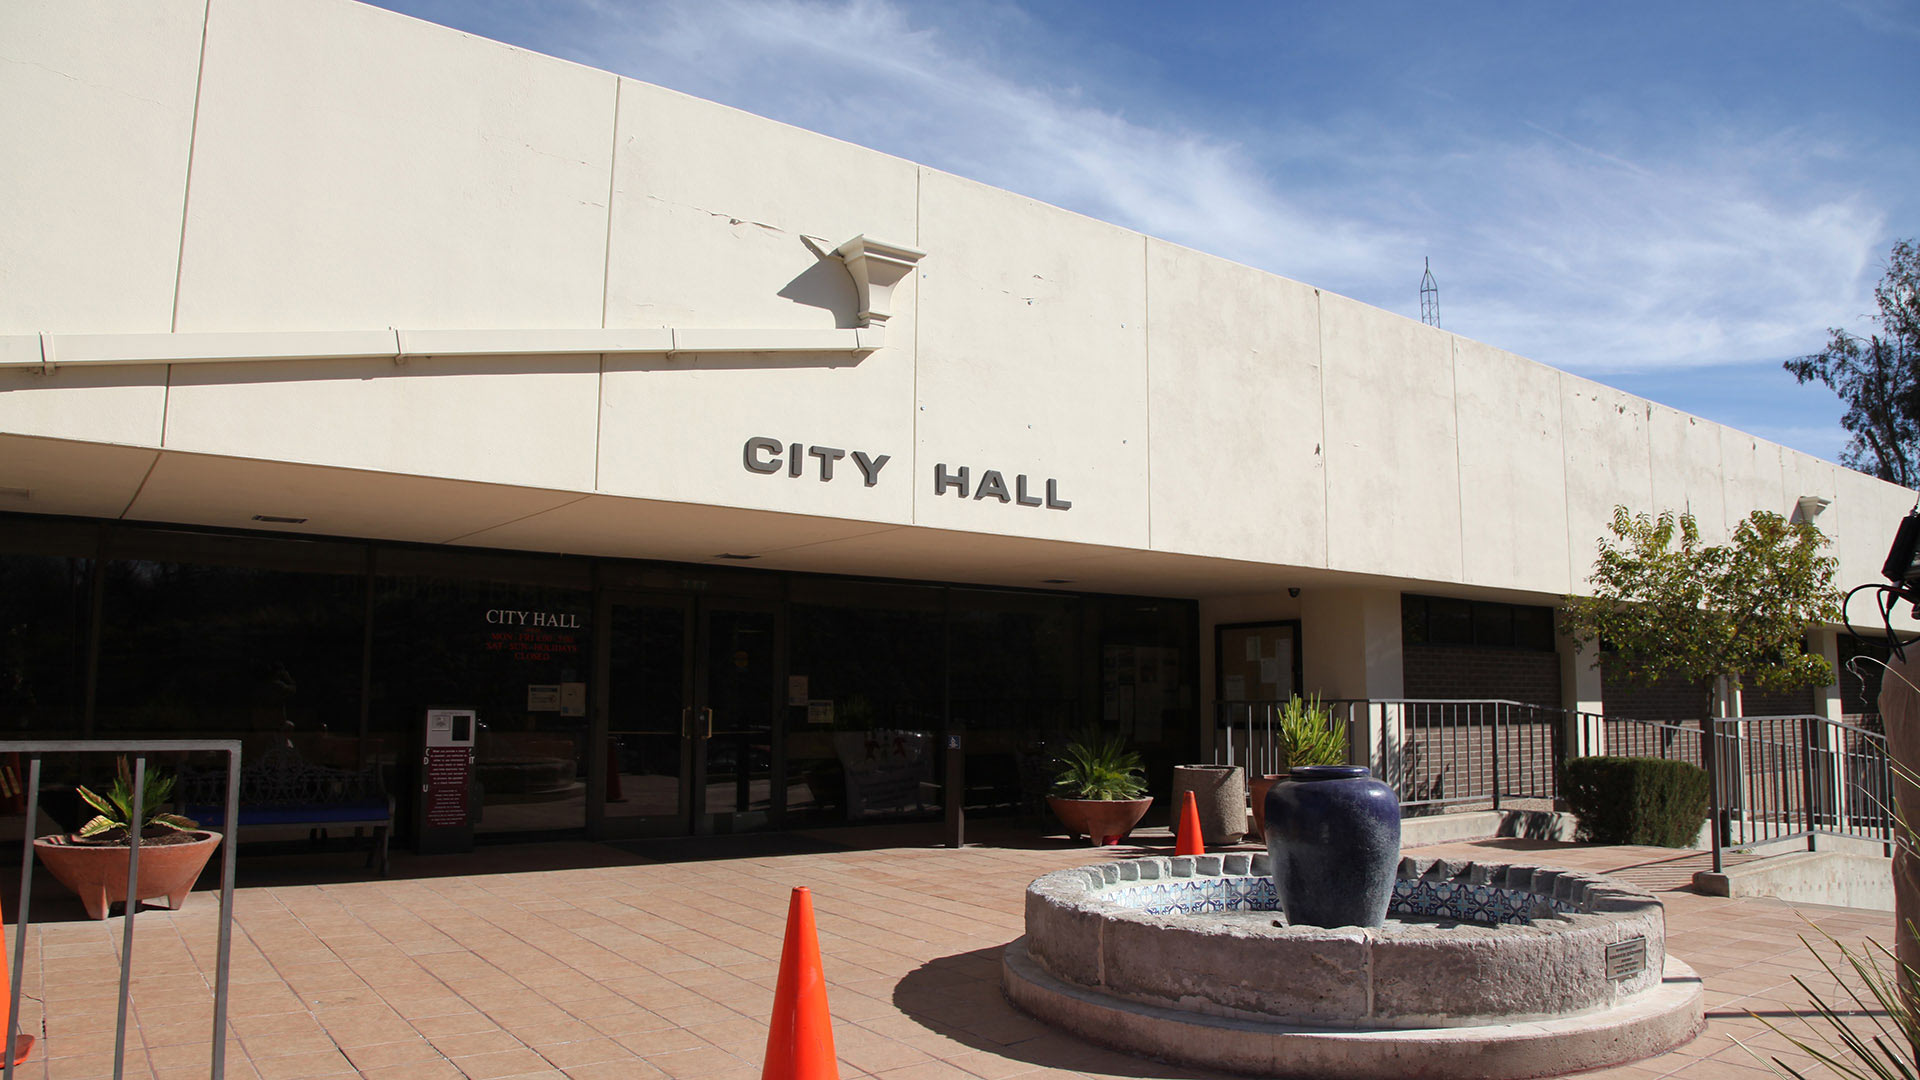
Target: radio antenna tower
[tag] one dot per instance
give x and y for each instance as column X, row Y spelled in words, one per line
column 1429, row 297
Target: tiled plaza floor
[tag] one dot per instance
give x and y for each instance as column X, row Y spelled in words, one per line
column 592, row 962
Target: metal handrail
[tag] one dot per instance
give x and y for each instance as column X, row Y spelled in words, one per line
column 1793, row 777
column 1428, row 747
column 33, row 750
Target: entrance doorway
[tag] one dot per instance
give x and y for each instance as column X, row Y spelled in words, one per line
column 685, row 732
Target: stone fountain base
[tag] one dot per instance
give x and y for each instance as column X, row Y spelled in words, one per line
column 1483, row 971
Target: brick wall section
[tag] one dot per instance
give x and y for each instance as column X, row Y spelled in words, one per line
column 1673, row 702
column 1669, row 702
column 1474, row 672
column 1782, row 703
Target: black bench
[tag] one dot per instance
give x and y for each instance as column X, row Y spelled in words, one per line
column 281, row 788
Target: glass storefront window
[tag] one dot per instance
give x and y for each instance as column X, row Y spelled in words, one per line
column 863, row 743
column 1148, row 677
column 1018, row 677
column 518, row 655
column 738, row 700
column 193, row 649
column 43, row 644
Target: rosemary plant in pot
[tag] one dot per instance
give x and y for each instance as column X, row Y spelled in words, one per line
column 1306, row 734
column 93, row 861
column 1100, row 792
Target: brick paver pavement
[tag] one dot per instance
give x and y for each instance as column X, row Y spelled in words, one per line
column 591, row 962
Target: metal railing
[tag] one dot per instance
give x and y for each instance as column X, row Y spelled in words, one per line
column 1245, row 734
column 1451, row 753
column 1433, row 753
column 1779, row 778
column 1772, row 778
column 33, row 751
column 1619, row 736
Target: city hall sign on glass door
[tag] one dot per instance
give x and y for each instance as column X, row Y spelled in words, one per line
column 770, row 457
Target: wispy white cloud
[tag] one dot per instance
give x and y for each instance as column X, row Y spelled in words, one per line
column 1597, row 249
column 861, row 71
column 1884, row 16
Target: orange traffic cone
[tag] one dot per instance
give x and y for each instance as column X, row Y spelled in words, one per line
column 22, row 1043
column 1188, row 841
column 800, row 1038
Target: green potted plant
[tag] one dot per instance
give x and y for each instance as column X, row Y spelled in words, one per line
column 1306, row 734
column 93, row 861
column 1100, row 792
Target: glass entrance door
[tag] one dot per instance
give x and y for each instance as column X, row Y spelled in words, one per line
column 641, row 785
column 686, row 731
column 737, row 710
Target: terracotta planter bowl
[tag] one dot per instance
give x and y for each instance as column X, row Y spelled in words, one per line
column 97, row 873
column 1101, row 821
column 1258, row 788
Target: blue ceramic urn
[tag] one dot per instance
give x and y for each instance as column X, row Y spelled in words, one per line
column 1333, row 835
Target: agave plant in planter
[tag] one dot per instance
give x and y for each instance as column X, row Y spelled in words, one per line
column 93, row 861
column 1101, row 790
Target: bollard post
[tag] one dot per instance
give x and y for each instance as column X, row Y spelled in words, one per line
column 956, row 801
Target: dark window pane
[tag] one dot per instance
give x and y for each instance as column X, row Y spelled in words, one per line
column 875, row 670
column 1017, row 688
column 518, row 655
column 1449, row 622
column 1413, row 619
column 191, row 649
column 1493, row 624
column 1533, row 628
column 43, row 642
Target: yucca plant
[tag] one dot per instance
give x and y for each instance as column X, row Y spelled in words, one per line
column 115, row 816
column 1309, row 735
column 1098, row 766
column 1882, row 989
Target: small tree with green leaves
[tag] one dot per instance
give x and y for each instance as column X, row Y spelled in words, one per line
column 1671, row 607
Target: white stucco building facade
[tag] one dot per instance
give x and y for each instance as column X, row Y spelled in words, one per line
column 322, row 270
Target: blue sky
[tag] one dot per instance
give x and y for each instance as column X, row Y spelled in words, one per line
column 1671, row 198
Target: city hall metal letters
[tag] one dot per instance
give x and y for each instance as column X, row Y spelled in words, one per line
column 772, row 456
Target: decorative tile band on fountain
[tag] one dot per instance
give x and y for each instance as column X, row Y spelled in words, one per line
column 1505, row 970
column 1477, row 899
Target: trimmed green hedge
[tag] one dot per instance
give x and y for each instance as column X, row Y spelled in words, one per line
column 1622, row 800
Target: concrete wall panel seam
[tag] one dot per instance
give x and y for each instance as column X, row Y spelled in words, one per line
column 599, row 417
column 606, row 260
column 1146, row 371
column 1460, row 479
column 913, row 387
column 186, row 183
column 1574, row 577
column 1326, row 474
column 142, row 486
column 166, row 399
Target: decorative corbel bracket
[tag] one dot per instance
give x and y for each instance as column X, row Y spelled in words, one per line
column 1808, row 507
column 876, row 268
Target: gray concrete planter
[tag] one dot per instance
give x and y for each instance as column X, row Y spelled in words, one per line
column 1220, row 791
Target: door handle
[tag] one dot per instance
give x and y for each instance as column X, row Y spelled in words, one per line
column 686, row 727
column 709, row 714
